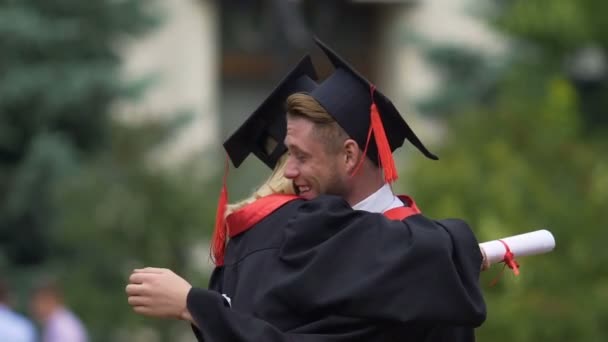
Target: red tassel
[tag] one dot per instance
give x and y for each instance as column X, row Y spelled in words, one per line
column 218, row 244
column 384, row 149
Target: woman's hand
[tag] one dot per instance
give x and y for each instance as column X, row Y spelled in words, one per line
column 158, row 292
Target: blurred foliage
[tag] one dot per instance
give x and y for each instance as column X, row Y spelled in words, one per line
column 60, row 74
column 571, row 37
column 555, row 29
column 533, row 156
column 475, row 74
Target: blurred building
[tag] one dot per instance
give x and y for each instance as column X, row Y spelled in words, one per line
column 219, row 59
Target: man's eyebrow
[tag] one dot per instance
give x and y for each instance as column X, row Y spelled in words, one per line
column 296, row 149
column 287, row 142
column 293, row 147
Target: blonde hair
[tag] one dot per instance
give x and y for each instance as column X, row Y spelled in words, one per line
column 305, row 106
column 275, row 184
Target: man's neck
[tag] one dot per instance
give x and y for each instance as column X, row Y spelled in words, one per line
column 366, row 182
column 361, row 192
column 380, row 201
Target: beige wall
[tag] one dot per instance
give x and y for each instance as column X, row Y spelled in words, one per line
column 183, row 57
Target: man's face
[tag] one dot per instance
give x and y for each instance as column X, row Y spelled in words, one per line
column 313, row 169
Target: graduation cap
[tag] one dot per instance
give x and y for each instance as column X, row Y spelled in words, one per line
column 360, row 109
column 261, row 134
column 264, row 131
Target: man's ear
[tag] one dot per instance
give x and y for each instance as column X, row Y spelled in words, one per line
column 352, row 154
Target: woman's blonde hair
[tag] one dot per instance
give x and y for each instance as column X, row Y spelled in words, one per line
column 275, row 184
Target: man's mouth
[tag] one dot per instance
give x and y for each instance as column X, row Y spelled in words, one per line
column 301, row 189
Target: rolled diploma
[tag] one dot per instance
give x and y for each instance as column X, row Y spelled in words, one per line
column 537, row 242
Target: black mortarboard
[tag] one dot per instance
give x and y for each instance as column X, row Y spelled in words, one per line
column 263, row 132
column 347, row 97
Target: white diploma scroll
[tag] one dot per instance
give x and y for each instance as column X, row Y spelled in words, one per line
column 537, row 242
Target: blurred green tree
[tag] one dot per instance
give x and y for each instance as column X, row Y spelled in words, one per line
column 60, row 75
column 475, row 73
column 530, row 156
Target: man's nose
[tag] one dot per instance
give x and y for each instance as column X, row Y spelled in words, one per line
column 291, row 171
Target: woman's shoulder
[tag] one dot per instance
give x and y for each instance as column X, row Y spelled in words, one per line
column 253, row 213
column 259, row 226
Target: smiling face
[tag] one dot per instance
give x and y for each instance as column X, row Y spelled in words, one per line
column 314, row 166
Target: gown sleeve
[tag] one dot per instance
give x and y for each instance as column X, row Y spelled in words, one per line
column 217, row 322
column 361, row 264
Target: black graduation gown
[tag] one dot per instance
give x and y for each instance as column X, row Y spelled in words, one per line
column 320, row 271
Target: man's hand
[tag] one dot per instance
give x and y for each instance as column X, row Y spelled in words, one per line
column 158, row 292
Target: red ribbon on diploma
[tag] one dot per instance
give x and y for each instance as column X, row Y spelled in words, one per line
column 509, row 260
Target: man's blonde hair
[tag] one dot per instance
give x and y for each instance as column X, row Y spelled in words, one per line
column 327, row 129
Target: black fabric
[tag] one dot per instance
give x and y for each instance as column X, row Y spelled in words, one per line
column 346, row 96
column 320, row 271
column 267, row 123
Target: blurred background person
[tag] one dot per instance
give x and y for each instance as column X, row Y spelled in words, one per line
column 59, row 323
column 13, row 326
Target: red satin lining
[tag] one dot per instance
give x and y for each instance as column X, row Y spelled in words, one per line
column 244, row 218
column 401, row 213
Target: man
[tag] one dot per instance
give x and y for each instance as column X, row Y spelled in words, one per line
column 59, row 324
column 13, row 327
column 330, row 273
column 340, row 139
column 345, row 131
